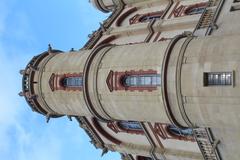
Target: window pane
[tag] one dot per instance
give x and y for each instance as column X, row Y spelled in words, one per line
column 159, row 79
column 148, row 81
column 180, row 132
column 224, row 78
column 143, row 80
column 133, row 81
column 130, row 125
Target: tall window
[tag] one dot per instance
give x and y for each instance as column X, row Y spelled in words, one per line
column 72, row 82
column 217, row 78
column 179, row 132
column 142, row 80
column 130, row 125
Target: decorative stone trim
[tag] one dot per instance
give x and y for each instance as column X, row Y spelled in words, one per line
column 55, row 82
column 160, row 130
column 104, row 133
column 124, row 15
column 182, row 10
column 114, row 81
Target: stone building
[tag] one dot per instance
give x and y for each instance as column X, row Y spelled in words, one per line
column 159, row 80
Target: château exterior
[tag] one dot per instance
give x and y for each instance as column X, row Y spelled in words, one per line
column 159, row 80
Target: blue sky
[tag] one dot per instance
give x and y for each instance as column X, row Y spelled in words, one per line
column 26, row 28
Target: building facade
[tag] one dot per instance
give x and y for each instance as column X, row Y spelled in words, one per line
column 159, row 80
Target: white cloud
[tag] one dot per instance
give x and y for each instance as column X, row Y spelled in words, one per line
column 18, row 141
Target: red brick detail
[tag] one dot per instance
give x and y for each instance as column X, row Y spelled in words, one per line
column 160, row 131
column 113, row 127
column 157, row 36
column 175, row 10
column 109, row 81
column 55, row 82
column 179, row 11
column 138, row 17
column 119, row 76
column 104, row 133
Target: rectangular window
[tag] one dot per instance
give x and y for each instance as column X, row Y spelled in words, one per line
column 218, row 79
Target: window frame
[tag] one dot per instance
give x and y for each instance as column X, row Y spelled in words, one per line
column 218, row 81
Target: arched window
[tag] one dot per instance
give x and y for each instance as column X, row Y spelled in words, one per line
column 130, row 125
column 179, row 132
column 196, row 9
column 142, row 80
column 141, row 18
column 72, row 82
column 147, row 18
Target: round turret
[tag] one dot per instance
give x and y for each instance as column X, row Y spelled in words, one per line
column 29, row 82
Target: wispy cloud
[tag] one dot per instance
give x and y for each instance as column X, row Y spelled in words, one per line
column 18, row 140
column 24, row 135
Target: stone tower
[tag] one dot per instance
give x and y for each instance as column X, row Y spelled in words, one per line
column 159, row 80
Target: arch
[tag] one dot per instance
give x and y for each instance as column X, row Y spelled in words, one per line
column 104, row 133
column 124, row 15
column 107, row 40
column 135, row 80
column 66, row 82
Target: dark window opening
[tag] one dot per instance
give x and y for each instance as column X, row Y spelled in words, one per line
column 235, row 8
column 72, row 82
column 142, row 80
column 179, row 132
column 148, row 18
column 218, row 79
column 143, row 158
column 236, row 1
column 195, row 10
